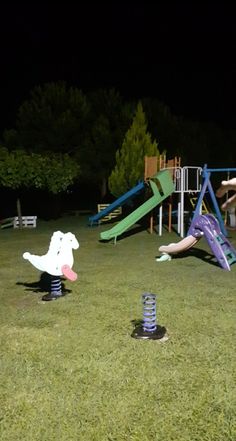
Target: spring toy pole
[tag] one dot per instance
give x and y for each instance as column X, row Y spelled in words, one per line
column 56, row 285
column 149, row 328
column 56, row 290
column 149, row 312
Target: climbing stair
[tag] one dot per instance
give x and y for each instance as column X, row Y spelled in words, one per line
column 227, row 249
column 223, row 251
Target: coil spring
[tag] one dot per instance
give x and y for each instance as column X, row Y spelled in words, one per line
column 55, row 284
column 149, row 312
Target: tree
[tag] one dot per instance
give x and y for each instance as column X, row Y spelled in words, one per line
column 165, row 125
column 21, row 170
column 109, row 119
column 61, row 119
column 137, row 144
column 53, row 119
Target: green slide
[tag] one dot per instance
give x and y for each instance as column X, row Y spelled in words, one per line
column 162, row 186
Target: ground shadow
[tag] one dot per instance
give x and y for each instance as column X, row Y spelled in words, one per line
column 137, row 322
column 199, row 254
column 42, row 285
column 131, row 232
column 139, row 332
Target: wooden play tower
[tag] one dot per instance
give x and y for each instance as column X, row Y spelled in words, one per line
column 153, row 164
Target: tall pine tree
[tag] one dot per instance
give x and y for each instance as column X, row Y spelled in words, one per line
column 137, row 144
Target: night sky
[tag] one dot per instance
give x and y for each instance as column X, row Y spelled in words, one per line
column 180, row 52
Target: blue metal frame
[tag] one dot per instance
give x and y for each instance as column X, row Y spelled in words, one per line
column 206, row 174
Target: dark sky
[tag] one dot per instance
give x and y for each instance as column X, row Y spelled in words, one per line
column 181, row 52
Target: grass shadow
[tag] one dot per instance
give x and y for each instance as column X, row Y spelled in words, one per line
column 140, row 332
column 130, row 232
column 137, row 322
column 199, row 253
column 42, row 285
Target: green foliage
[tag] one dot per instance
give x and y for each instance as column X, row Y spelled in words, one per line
column 61, row 119
column 137, row 144
column 54, row 172
column 109, row 118
column 54, row 118
column 164, row 125
column 14, row 168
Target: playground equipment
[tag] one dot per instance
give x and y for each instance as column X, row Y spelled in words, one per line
column 162, row 186
column 186, row 180
column 152, row 165
column 116, row 212
column 196, row 180
column 27, row 222
column 56, row 262
column 205, row 225
column 206, row 174
column 149, row 328
column 7, row 222
column 94, row 220
column 193, row 197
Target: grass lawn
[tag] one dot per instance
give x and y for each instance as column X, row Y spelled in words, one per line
column 70, row 370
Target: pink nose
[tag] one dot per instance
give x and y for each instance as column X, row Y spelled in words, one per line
column 69, row 273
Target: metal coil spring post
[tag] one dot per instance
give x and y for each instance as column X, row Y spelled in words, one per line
column 148, row 329
column 56, row 285
column 149, row 312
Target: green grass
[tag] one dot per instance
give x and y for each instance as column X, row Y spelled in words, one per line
column 70, row 369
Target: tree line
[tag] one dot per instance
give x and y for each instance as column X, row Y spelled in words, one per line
column 63, row 136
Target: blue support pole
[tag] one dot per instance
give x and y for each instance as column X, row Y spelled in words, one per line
column 221, row 169
column 206, row 177
column 206, row 174
column 216, row 206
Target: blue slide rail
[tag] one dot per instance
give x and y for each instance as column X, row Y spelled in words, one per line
column 117, row 203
